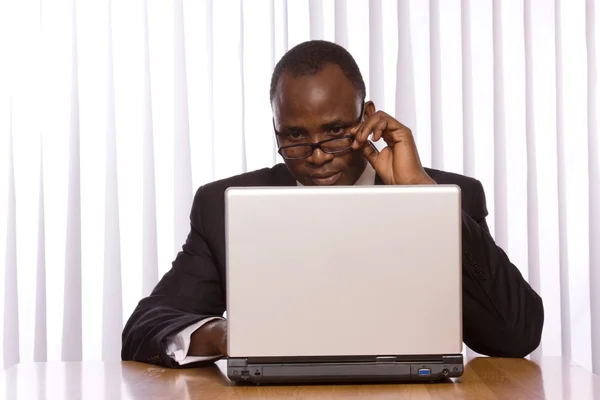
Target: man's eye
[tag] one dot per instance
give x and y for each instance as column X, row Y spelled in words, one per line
column 337, row 130
column 295, row 135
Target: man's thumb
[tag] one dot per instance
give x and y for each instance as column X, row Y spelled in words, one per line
column 370, row 152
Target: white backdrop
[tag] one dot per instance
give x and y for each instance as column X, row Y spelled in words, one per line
column 111, row 115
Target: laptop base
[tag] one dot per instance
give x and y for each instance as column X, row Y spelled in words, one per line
column 284, row 370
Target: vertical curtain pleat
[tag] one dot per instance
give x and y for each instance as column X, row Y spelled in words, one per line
column 376, row 85
column 72, row 308
column 272, row 35
column 542, row 169
column 285, row 28
column 405, row 110
column 25, row 81
column 40, row 339
column 112, row 310
column 450, row 76
column 227, row 90
column 11, row 340
column 562, row 216
column 468, row 142
column 512, row 138
column 243, row 103
column 482, row 91
column 4, row 167
column 532, row 174
column 388, row 31
column 420, row 36
column 281, row 45
column 182, row 168
column 210, row 69
column 341, row 23
column 40, row 345
column 200, row 78
column 500, row 179
column 149, row 240
column 574, row 174
column 255, row 74
column 467, row 100
column 593, row 113
column 437, row 142
column 357, row 14
column 317, row 27
column 298, row 22
column 272, row 30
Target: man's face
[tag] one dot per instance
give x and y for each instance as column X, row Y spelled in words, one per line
column 310, row 109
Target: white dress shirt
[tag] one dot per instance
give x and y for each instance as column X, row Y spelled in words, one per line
column 178, row 344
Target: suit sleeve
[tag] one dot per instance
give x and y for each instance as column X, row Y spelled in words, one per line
column 190, row 292
column 502, row 315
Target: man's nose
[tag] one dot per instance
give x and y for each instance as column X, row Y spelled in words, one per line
column 319, row 157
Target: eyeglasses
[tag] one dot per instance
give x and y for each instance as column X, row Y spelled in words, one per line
column 330, row 146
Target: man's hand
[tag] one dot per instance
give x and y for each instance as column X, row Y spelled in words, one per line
column 398, row 163
column 210, row 339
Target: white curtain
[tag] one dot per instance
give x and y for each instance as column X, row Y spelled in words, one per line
column 113, row 113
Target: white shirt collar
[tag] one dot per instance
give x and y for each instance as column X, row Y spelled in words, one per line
column 366, row 178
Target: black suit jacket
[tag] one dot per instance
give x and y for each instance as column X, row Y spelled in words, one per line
column 502, row 314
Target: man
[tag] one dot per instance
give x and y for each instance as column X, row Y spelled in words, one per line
column 322, row 124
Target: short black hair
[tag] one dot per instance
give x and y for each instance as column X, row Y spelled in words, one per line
column 309, row 58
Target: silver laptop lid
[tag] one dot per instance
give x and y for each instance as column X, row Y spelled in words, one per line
column 343, row 271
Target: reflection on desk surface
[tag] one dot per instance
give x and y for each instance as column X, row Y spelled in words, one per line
column 484, row 378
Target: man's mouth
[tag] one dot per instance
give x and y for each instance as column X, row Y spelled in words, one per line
column 326, row 180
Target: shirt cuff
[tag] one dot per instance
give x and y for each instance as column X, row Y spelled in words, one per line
column 178, row 345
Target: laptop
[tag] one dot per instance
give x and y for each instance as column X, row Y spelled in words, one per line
column 344, row 284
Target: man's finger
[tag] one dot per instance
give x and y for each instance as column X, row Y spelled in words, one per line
column 367, row 126
column 370, row 152
column 365, row 129
column 377, row 119
column 379, row 129
column 358, row 141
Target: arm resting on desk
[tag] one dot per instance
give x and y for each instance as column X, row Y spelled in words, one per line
column 189, row 293
column 178, row 345
column 502, row 315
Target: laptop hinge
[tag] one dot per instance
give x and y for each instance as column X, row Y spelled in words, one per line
column 385, row 359
column 238, row 362
column 453, row 359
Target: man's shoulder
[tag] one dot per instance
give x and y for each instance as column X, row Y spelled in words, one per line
column 277, row 175
column 472, row 193
column 469, row 187
column 452, row 178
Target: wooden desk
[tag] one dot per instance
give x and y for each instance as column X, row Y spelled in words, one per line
column 484, row 378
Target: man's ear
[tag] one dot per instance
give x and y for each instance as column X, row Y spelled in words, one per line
column 369, row 109
column 275, row 132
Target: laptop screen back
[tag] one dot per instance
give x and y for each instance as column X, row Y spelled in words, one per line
column 344, row 271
